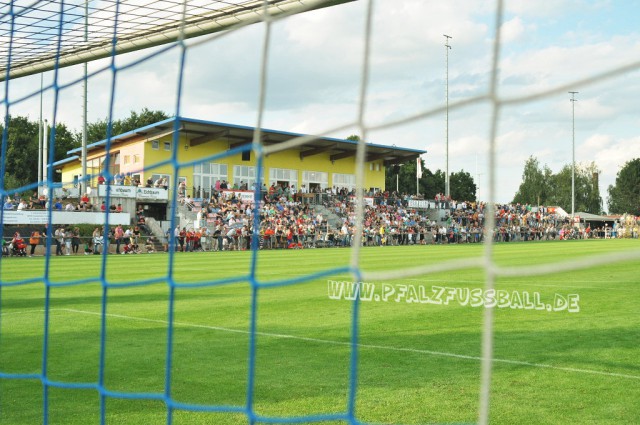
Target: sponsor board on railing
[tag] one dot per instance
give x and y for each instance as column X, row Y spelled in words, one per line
column 367, row 200
column 154, row 193
column 64, row 217
column 147, row 193
column 117, row 191
column 245, row 196
column 420, row 203
column 66, row 192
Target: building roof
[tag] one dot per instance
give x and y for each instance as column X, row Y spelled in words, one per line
column 66, row 160
column 200, row 131
column 585, row 216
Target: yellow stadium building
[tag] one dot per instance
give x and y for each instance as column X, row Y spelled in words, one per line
column 210, row 152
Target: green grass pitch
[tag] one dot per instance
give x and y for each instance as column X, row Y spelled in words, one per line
column 417, row 362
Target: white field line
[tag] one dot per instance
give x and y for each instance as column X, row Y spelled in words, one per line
column 342, row 343
column 363, row 346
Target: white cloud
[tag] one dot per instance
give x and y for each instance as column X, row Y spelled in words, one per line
column 512, row 30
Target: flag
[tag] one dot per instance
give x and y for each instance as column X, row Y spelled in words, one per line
column 418, row 168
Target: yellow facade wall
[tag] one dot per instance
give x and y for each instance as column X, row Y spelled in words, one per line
column 145, row 155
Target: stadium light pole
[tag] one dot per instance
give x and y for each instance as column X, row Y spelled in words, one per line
column 40, row 136
column 447, row 47
column 83, row 182
column 573, row 152
column 45, row 155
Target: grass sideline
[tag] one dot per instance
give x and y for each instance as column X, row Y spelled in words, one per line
column 418, row 363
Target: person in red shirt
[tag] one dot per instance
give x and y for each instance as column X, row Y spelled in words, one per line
column 269, row 235
column 190, row 236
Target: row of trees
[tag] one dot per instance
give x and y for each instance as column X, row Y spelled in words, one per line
column 403, row 177
column 21, row 158
column 539, row 186
column 624, row 195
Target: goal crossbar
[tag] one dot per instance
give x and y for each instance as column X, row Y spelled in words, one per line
column 32, row 53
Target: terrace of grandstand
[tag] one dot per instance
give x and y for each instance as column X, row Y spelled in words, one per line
column 292, row 219
column 289, row 221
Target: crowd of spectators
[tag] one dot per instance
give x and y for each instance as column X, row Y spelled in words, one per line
column 286, row 221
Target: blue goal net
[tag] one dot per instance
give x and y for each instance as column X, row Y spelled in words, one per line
column 172, row 265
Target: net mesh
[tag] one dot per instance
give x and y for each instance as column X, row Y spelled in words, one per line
column 27, row 33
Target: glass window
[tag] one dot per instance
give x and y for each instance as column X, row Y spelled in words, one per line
column 155, row 144
column 157, row 183
column 314, row 179
column 244, row 174
column 344, row 180
column 205, row 176
column 283, row 176
column 167, row 146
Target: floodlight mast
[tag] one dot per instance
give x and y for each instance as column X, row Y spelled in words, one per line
column 447, row 191
column 83, row 182
column 573, row 152
column 40, row 135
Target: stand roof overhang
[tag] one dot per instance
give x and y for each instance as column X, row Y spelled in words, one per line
column 200, row 132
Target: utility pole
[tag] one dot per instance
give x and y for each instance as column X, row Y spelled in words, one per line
column 40, row 136
column 573, row 153
column 446, row 179
column 82, row 187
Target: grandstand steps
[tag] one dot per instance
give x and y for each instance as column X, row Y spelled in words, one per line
column 333, row 219
column 437, row 215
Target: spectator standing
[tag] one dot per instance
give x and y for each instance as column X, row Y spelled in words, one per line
column 118, row 235
column 68, row 236
column 97, row 240
column 34, row 240
column 59, row 237
column 75, row 240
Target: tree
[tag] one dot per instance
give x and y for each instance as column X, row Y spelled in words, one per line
column 540, row 186
column 403, row 176
column 534, row 188
column 587, row 193
column 98, row 131
column 431, row 183
column 21, row 160
column 624, row 196
column 462, row 186
column 21, row 163
column 589, row 188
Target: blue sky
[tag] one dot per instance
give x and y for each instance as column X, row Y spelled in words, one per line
column 314, row 79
